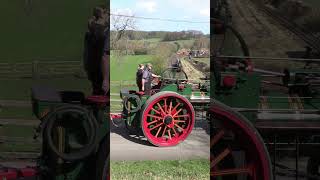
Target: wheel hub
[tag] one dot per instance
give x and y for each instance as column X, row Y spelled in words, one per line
column 168, row 120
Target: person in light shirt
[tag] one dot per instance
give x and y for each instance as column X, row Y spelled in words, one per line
column 147, row 78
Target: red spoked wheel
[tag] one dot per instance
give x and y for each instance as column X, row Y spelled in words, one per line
column 237, row 149
column 167, row 119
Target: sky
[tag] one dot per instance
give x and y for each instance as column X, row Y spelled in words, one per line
column 188, row 10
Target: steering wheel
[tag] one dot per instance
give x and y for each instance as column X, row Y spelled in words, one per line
column 155, row 81
column 242, row 64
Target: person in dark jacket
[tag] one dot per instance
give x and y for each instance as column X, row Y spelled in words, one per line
column 139, row 76
column 96, row 51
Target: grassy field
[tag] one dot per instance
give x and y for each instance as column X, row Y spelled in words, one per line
column 125, row 68
column 147, row 170
column 153, row 40
column 185, row 43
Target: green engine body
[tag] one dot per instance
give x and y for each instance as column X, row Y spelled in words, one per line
column 270, row 100
column 65, row 109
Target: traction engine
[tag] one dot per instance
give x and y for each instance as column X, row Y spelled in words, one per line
column 167, row 116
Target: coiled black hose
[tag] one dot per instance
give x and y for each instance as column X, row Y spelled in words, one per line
column 51, row 119
column 135, row 99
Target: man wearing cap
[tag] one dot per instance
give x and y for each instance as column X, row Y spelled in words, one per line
column 147, row 79
column 96, row 54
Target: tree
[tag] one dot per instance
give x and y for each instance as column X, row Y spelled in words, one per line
column 118, row 36
column 201, row 43
column 119, row 25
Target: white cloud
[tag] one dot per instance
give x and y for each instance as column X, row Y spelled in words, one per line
column 148, row 5
column 205, row 12
column 125, row 11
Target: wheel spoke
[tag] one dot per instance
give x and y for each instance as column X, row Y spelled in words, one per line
column 170, row 107
column 152, row 122
column 155, row 126
column 158, row 131
column 169, row 133
column 164, row 131
column 179, row 121
column 165, row 106
column 156, row 111
column 179, row 127
column 174, row 109
column 181, row 116
column 153, row 116
column 232, row 171
column 216, row 138
column 177, row 113
column 161, row 108
column 175, row 132
column 220, row 157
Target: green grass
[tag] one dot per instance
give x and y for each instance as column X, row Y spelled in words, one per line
column 147, row 170
column 185, row 43
column 126, row 67
column 153, row 40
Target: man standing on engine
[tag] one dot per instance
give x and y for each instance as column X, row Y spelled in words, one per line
column 147, row 78
column 139, row 74
column 96, row 52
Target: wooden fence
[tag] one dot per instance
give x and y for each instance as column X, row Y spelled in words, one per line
column 41, row 69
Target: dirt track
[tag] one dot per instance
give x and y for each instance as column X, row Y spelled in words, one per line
column 264, row 36
column 191, row 71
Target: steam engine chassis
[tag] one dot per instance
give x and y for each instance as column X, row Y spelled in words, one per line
column 257, row 115
column 74, row 131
